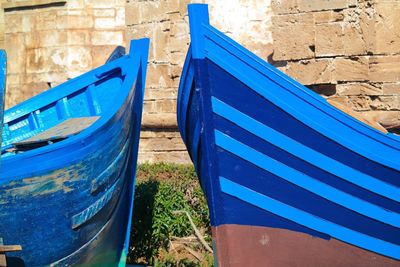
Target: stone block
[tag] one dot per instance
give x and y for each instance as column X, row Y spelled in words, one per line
column 75, row 4
column 31, row 40
column 73, row 12
column 16, row 53
column 12, row 95
column 329, row 39
column 104, row 12
column 162, row 42
column 391, row 88
column 100, row 3
column 121, row 3
column 359, row 103
column 328, row 16
column 312, row 5
column 120, row 16
column 51, row 77
column 159, row 120
column 367, row 25
column 387, row 27
column 353, row 41
column 384, row 68
column 158, row 76
column 150, row 133
column 312, row 71
column 40, row 60
column 284, row 6
column 388, row 119
column 46, row 20
column 32, row 89
column 351, row 69
column 346, row 89
column 149, row 11
column 386, row 103
column 74, row 22
column 181, row 157
column 160, row 93
column 165, row 106
column 79, row 60
column 294, row 36
column 104, row 23
column 14, row 79
column 107, row 38
column 161, row 144
column 148, row 107
column 13, row 23
column 28, row 23
column 100, row 54
column 17, row 93
column 49, row 38
column 78, row 37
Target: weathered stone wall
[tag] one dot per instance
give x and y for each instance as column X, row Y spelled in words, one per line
column 48, row 42
column 346, row 50
column 166, row 23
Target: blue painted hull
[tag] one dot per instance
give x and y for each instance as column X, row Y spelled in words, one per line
column 272, row 155
column 3, row 75
column 70, row 202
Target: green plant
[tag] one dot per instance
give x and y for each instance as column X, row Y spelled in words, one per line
column 161, row 190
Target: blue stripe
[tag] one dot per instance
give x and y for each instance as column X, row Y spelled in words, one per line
column 303, row 152
column 302, row 180
column 296, row 88
column 309, row 220
column 299, row 108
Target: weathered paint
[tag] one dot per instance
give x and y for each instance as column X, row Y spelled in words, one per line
column 270, row 153
column 70, row 202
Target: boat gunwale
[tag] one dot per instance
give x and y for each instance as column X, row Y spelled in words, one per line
column 227, row 45
column 60, row 152
column 303, row 92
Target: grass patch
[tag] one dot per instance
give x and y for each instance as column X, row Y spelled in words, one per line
column 159, row 236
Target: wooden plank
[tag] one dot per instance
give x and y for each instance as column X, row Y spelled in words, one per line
column 10, row 248
column 3, row 260
column 57, row 133
column 4, row 249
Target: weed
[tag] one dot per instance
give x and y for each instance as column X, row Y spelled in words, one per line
column 162, row 189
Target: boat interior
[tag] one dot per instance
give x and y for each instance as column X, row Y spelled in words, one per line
column 60, row 112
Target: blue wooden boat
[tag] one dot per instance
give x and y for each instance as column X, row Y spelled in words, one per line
column 3, row 75
column 68, row 167
column 290, row 180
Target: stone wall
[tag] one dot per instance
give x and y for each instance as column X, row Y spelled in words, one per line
column 166, row 23
column 49, row 42
column 346, row 50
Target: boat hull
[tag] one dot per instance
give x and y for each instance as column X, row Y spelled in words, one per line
column 274, row 158
column 3, row 75
column 265, row 246
column 72, row 205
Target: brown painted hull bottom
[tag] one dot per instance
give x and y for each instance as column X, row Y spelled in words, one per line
column 238, row 245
